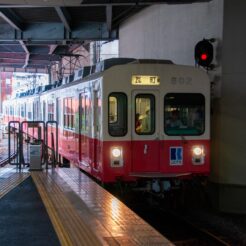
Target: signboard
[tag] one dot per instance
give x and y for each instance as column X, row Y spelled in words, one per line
column 145, row 80
column 176, row 155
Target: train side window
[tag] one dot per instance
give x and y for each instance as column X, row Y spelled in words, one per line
column 145, row 114
column 51, row 111
column 184, row 114
column 117, row 114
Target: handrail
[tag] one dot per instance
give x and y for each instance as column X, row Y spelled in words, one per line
column 54, row 151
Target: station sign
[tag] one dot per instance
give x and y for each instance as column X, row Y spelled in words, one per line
column 145, row 80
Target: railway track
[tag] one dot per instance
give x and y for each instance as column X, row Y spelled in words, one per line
column 4, row 153
column 178, row 228
column 203, row 236
column 5, row 161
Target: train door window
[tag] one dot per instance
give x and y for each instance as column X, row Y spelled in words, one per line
column 29, row 111
column 36, row 110
column 87, row 112
column 7, row 110
column 145, row 114
column 17, row 110
column 68, row 113
column 72, row 115
column 117, row 114
column 58, row 113
column 184, row 114
column 23, row 110
column 51, row 111
column 11, row 110
column 82, row 120
column 44, row 111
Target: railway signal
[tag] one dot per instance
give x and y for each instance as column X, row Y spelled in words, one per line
column 204, row 52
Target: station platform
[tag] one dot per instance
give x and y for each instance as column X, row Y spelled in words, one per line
column 81, row 212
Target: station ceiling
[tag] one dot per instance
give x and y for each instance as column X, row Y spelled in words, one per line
column 36, row 33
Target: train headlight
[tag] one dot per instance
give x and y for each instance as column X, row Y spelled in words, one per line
column 116, row 152
column 198, row 155
column 116, row 157
column 197, row 150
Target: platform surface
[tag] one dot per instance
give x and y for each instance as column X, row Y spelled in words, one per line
column 111, row 222
column 83, row 213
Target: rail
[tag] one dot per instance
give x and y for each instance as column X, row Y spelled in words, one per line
column 6, row 160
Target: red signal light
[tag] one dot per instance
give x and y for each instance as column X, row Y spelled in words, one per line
column 204, row 56
column 204, row 53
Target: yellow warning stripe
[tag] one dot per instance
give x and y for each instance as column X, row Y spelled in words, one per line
column 8, row 184
column 59, row 228
column 68, row 224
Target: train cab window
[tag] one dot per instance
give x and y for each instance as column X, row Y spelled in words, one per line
column 145, row 114
column 184, row 114
column 113, row 110
column 117, row 114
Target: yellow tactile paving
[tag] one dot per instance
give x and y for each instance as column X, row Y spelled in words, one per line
column 112, row 221
column 69, row 225
column 10, row 178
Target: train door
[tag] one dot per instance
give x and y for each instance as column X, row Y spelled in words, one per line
column 96, row 128
column 145, row 131
column 84, row 128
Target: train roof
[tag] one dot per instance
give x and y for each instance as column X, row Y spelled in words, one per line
column 88, row 71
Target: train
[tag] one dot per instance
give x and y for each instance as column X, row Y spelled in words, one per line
column 126, row 119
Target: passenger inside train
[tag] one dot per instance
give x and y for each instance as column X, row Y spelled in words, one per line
column 174, row 121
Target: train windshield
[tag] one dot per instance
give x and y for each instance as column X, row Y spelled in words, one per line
column 184, row 114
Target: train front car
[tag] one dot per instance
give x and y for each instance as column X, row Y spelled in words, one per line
column 156, row 122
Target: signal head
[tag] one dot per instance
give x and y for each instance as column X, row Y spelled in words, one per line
column 204, row 53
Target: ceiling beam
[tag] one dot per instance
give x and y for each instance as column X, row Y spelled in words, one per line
column 64, row 17
column 100, row 3
column 33, row 57
column 54, row 32
column 10, row 17
column 6, row 64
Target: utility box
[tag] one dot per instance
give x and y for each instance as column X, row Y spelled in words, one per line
column 35, row 157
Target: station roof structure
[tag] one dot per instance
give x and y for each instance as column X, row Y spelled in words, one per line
column 35, row 33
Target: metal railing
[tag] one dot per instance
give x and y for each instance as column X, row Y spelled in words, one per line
column 20, row 137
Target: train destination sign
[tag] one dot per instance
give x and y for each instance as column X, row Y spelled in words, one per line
column 145, row 80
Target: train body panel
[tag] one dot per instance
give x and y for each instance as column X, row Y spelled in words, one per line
column 129, row 121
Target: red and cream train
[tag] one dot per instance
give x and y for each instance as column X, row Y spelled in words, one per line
column 129, row 119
